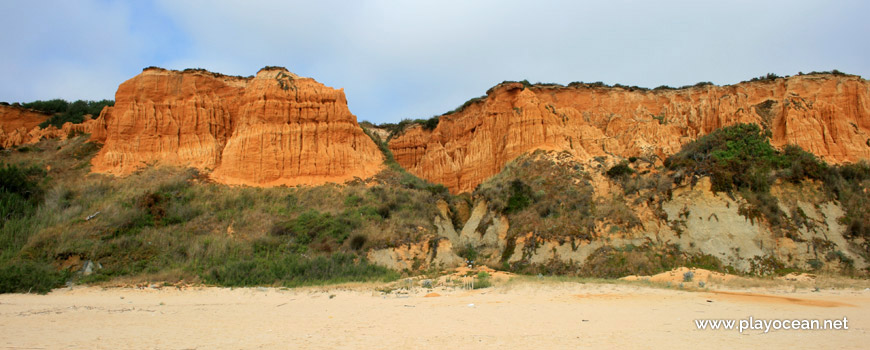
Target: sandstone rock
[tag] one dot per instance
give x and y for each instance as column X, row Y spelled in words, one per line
column 272, row 129
column 824, row 114
column 16, row 124
column 20, row 126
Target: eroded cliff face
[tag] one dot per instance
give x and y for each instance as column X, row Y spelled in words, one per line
column 825, row 114
column 16, row 124
column 20, row 126
column 272, row 129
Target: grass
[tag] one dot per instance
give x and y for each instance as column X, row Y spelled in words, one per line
column 552, row 201
column 173, row 222
column 483, row 280
column 290, row 270
column 395, row 175
column 739, row 159
column 30, row 276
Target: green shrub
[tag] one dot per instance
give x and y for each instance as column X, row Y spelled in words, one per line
column 468, row 252
column 312, row 225
column 554, row 201
column 20, row 191
column 483, row 280
column 396, row 129
column 619, row 171
column 291, row 270
column 798, row 165
column 520, row 198
column 735, row 157
column 51, row 106
column 466, row 104
column 646, row 259
column 839, row 255
column 849, row 185
column 29, row 276
column 357, row 242
column 740, row 158
column 63, row 111
column 768, row 77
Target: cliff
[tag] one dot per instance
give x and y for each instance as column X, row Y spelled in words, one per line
column 16, row 124
column 272, row 129
column 828, row 115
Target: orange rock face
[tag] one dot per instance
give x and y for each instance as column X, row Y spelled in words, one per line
column 272, row 129
column 16, row 124
column 824, row 114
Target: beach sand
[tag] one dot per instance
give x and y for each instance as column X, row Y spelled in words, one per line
column 522, row 315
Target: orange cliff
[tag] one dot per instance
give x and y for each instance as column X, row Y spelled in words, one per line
column 20, row 126
column 272, row 129
column 828, row 115
column 16, row 124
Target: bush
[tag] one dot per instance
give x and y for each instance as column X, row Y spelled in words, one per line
column 798, row 165
column 735, row 157
column 521, row 197
column 554, row 201
column 357, row 242
column 768, row 77
column 620, row 171
column 396, row 129
column 20, row 190
column 740, row 158
column 312, row 225
column 51, row 106
column 849, row 183
column 468, row 252
column 29, row 276
column 63, row 111
column 688, row 276
column 483, row 280
column 291, row 270
column 468, row 103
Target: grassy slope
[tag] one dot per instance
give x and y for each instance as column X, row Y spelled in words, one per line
column 554, row 200
column 172, row 224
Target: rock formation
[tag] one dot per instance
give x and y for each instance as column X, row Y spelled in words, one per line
column 20, row 126
column 828, row 115
column 272, row 129
column 16, row 124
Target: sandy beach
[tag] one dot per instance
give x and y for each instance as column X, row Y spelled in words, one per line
column 523, row 315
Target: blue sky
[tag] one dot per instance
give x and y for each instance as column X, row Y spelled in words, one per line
column 416, row 59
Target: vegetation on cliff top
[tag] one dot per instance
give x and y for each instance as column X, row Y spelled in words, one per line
column 62, row 111
column 396, row 129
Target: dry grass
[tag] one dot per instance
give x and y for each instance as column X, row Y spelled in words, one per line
column 170, row 222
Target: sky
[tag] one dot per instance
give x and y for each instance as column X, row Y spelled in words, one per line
column 417, row 59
